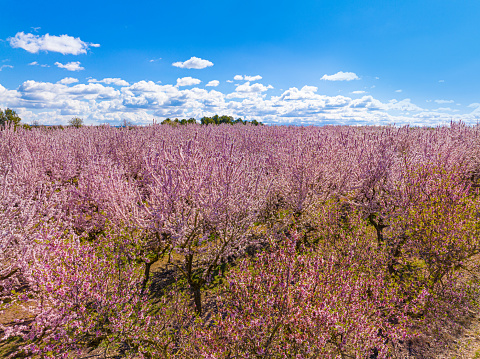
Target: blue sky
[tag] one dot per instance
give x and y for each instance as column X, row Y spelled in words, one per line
column 282, row 62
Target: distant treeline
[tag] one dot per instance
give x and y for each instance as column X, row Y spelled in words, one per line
column 215, row 120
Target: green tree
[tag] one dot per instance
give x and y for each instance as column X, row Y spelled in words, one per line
column 9, row 116
column 76, row 122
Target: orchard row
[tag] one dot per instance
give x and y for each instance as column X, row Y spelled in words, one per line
column 236, row 241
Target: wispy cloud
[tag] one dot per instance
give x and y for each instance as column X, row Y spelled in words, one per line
column 70, row 66
column 6, row 67
column 340, row 76
column 444, row 101
column 398, row 91
column 193, row 63
column 35, row 63
column 358, row 92
column 64, row 44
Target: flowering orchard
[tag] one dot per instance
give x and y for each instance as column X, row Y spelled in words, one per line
column 236, row 241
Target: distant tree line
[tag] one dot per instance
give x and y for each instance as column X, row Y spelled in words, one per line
column 9, row 116
column 215, row 120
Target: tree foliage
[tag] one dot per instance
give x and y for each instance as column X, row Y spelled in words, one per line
column 9, row 116
column 76, row 122
column 237, row 241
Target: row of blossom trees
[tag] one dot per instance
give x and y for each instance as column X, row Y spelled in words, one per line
column 276, row 241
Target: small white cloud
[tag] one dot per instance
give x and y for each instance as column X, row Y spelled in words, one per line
column 358, row 92
column 35, row 63
column 187, row 81
column 70, row 66
column 252, row 78
column 154, row 60
column 229, row 81
column 444, row 101
column 35, row 28
column 441, row 80
column 247, row 78
column 67, row 81
column 398, row 91
column 110, row 81
column 63, row 44
column 377, row 78
column 193, row 63
column 474, row 105
column 340, row 76
column 6, row 67
column 213, row 83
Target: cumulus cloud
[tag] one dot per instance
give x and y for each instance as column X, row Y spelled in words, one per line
column 193, row 63
column 67, row 81
column 213, row 83
column 247, row 90
column 247, row 78
column 70, row 66
column 111, row 81
column 340, row 76
column 98, row 102
column 187, row 81
column 64, row 44
column 444, row 101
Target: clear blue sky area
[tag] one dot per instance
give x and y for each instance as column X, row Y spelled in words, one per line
column 280, row 62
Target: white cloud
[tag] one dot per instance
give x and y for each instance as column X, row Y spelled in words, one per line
column 358, row 92
column 111, row 81
column 398, row 91
column 70, row 66
column 340, row 76
column 213, row 83
column 35, row 63
column 444, row 101
column 67, row 81
column 441, row 80
column 229, row 81
column 193, row 63
column 154, row 60
column 474, row 105
column 6, row 67
column 247, row 78
column 249, row 91
column 63, row 44
column 98, row 102
column 187, row 81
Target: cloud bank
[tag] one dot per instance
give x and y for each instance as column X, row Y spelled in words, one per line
column 111, row 100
